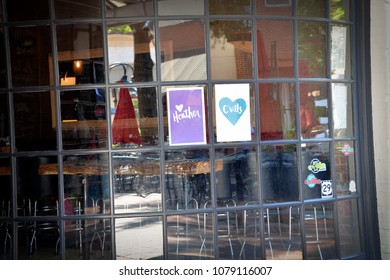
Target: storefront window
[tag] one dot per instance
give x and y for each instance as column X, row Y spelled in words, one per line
column 83, row 119
column 167, row 129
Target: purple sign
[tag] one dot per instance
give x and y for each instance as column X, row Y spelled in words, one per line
column 186, row 116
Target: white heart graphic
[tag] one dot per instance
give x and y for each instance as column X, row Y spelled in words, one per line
column 179, row 107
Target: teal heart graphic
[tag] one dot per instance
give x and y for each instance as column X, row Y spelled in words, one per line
column 232, row 110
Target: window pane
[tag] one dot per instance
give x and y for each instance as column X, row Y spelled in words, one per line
column 274, row 7
column 231, row 49
column 33, row 122
column 32, row 10
column 314, row 110
column 134, row 117
column 180, row 7
column 7, row 233
column 182, row 50
column 277, row 111
column 250, row 233
column 80, row 54
column 139, row 238
column 312, row 49
column 129, row 8
column 30, row 56
column 316, row 171
column 137, row 182
column 69, row 9
column 311, row 8
column 187, row 237
column 275, row 49
column 237, row 174
column 3, row 62
column 282, row 232
column 342, row 110
column 349, row 228
column 83, row 117
column 36, row 185
column 187, row 175
column 345, row 168
column 320, row 232
column 86, row 183
column 341, row 53
column 339, row 9
column 131, row 50
column 228, row 232
column 4, row 125
column 239, row 7
column 279, row 172
column 88, row 239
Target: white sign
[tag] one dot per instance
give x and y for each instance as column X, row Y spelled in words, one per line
column 232, row 106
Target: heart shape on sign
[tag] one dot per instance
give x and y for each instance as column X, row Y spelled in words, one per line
column 179, row 107
column 232, row 110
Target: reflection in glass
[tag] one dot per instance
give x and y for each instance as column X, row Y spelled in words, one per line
column 342, row 110
column 88, row 239
column 187, row 174
column 339, row 9
column 237, row 174
column 6, row 228
column 275, row 48
column 139, row 238
column 313, row 113
column 86, row 184
column 320, row 232
column 131, row 52
column 137, row 182
column 180, row 7
column 274, row 7
column 71, row 9
column 345, row 168
column 240, row 7
column 30, row 51
column 115, row 8
column 83, row 117
column 349, row 228
column 4, row 125
column 250, row 233
column 282, row 232
column 340, row 52
column 279, row 172
column 312, row 49
column 134, row 117
column 277, row 111
column 182, row 50
column 20, row 10
column 229, row 231
column 231, row 49
column 33, row 121
column 189, row 236
column 80, row 54
column 316, row 171
column 311, row 8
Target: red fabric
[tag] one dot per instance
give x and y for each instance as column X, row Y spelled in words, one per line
column 124, row 126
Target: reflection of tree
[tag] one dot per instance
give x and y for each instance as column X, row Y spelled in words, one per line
column 143, row 72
